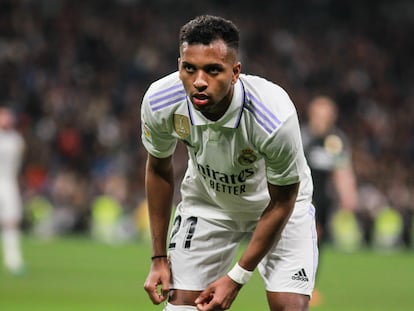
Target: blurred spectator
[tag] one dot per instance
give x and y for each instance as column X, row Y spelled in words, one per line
column 329, row 156
column 11, row 154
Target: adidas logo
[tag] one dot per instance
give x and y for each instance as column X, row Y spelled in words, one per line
column 300, row 276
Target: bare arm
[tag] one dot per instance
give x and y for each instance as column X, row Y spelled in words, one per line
column 159, row 184
column 270, row 225
column 345, row 185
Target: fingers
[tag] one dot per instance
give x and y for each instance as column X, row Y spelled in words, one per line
column 157, row 284
column 205, row 297
column 157, row 296
column 218, row 296
column 157, row 293
column 164, row 293
column 206, row 302
column 212, row 305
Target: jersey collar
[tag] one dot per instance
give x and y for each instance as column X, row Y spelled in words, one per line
column 230, row 119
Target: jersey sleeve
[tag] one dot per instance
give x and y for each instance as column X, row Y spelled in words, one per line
column 155, row 134
column 284, row 156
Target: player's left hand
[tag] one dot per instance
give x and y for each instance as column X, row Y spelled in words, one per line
column 219, row 295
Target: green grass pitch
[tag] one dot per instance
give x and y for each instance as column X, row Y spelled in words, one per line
column 69, row 274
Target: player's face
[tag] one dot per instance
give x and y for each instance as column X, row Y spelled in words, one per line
column 208, row 73
column 6, row 119
column 322, row 116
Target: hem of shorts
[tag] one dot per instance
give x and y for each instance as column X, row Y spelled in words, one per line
column 189, row 289
column 292, row 290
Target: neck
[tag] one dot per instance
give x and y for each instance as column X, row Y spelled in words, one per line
column 221, row 107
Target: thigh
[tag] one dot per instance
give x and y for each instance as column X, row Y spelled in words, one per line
column 200, row 251
column 290, row 266
column 287, row 301
column 181, row 297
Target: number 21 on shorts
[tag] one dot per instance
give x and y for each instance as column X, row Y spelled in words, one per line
column 189, row 225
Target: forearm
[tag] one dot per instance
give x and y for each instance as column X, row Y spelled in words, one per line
column 345, row 184
column 159, row 189
column 269, row 227
column 267, row 231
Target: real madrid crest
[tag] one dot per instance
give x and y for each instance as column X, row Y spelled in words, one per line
column 181, row 125
column 247, row 157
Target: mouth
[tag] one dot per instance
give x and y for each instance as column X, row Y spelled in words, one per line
column 200, row 99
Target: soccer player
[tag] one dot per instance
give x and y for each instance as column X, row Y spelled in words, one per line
column 247, row 177
column 329, row 157
column 11, row 152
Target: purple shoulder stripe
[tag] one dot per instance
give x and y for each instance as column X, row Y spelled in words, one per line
column 264, row 117
column 167, row 97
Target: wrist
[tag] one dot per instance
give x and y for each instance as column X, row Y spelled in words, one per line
column 158, row 257
column 240, row 275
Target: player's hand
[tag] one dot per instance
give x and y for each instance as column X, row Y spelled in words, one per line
column 157, row 284
column 219, row 295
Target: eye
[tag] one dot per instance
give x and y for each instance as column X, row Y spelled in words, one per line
column 188, row 68
column 213, row 70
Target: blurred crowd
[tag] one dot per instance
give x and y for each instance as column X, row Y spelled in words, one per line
column 75, row 73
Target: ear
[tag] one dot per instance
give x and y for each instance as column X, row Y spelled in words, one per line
column 236, row 72
column 178, row 63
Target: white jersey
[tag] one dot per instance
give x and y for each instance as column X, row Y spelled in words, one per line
column 231, row 160
column 11, row 152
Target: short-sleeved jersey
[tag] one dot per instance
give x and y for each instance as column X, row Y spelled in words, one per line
column 11, row 152
column 231, row 160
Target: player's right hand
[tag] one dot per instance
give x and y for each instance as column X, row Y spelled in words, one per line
column 219, row 295
column 157, row 284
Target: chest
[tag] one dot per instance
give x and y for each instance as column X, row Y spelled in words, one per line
column 325, row 152
column 226, row 149
column 10, row 145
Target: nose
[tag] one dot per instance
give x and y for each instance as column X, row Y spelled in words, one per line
column 200, row 82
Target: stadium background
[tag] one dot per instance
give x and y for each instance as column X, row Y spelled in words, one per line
column 75, row 73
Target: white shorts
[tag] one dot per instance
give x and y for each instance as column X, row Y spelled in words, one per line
column 202, row 250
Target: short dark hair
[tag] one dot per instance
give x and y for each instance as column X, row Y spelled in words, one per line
column 206, row 28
